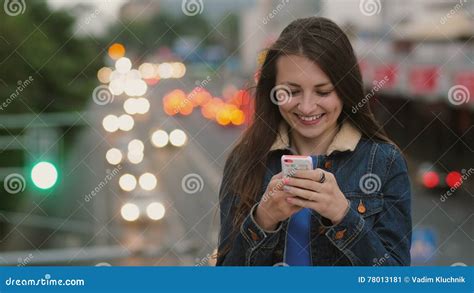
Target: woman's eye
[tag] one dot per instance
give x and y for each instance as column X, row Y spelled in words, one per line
column 295, row 92
column 324, row 94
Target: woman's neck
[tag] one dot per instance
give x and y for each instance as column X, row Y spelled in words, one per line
column 313, row 146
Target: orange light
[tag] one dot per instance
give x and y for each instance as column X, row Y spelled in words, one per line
column 199, row 96
column 175, row 102
column 186, row 108
column 169, row 110
column 210, row 109
column 116, row 51
column 237, row 117
column 222, row 117
column 206, row 112
column 224, row 114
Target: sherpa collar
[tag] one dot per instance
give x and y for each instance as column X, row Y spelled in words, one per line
column 346, row 138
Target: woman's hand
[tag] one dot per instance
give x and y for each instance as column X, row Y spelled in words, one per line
column 273, row 207
column 325, row 198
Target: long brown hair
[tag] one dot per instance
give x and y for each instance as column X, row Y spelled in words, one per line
column 322, row 41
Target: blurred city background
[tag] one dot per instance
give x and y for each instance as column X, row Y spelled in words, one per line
column 116, row 118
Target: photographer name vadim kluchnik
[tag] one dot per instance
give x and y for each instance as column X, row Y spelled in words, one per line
column 438, row 279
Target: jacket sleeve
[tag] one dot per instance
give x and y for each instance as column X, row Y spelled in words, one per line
column 251, row 245
column 389, row 238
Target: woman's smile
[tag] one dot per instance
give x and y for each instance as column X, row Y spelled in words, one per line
column 309, row 120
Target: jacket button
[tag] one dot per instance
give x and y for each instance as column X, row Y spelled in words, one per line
column 340, row 234
column 361, row 207
column 328, row 164
column 254, row 235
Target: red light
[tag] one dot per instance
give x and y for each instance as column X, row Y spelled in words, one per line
column 430, row 179
column 454, row 179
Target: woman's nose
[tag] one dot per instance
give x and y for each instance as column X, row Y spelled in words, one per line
column 307, row 104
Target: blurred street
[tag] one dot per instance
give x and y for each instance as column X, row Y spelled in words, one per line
column 113, row 137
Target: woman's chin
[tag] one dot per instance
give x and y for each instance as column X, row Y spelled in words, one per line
column 308, row 132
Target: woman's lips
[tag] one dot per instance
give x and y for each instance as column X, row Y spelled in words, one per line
column 310, row 120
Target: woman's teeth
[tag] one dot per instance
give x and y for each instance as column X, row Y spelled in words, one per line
column 310, row 118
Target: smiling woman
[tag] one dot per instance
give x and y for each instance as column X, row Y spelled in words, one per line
column 354, row 206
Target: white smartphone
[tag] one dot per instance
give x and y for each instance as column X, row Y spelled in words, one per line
column 290, row 163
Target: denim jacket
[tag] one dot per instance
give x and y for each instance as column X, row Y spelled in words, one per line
column 376, row 229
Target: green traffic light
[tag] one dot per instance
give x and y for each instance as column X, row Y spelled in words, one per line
column 44, row 175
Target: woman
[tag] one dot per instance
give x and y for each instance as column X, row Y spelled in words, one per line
column 353, row 208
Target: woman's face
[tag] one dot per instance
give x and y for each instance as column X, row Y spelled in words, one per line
column 313, row 106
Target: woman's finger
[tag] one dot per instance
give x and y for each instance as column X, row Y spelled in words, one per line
column 315, row 175
column 302, row 202
column 303, row 193
column 302, row 183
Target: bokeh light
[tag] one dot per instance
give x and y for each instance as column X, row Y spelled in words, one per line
column 116, row 51
column 127, row 182
column 136, row 145
column 111, row 123
column 123, row 65
column 147, row 181
column 130, row 212
column 126, row 122
column 135, row 157
column 103, row 75
column 44, row 175
column 159, row 138
column 178, row 137
column 155, row 211
column 113, row 156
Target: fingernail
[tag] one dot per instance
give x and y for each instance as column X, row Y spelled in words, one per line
column 285, row 180
column 286, row 188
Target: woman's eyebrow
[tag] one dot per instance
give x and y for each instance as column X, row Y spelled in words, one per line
column 291, row 83
column 322, row 84
column 297, row 85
